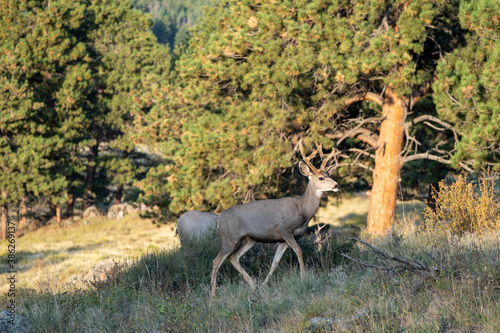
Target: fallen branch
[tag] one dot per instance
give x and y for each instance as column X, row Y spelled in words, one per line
column 403, row 264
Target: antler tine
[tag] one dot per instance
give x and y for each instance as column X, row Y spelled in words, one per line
column 326, row 159
column 308, row 159
column 320, row 148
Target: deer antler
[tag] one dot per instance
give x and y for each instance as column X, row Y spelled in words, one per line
column 324, row 159
column 307, row 160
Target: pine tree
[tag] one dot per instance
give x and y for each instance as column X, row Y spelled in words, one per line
column 37, row 52
column 259, row 77
column 468, row 85
column 172, row 19
column 74, row 77
column 128, row 65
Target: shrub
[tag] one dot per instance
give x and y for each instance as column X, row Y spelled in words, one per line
column 465, row 206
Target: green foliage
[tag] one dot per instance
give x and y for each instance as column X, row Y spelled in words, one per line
column 40, row 69
column 465, row 206
column 467, row 89
column 259, row 76
column 75, row 76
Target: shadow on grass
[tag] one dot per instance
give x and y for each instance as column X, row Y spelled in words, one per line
column 179, row 270
column 349, row 221
column 25, row 260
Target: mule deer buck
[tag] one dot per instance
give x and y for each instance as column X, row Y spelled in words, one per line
column 195, row 224
column 275, row 220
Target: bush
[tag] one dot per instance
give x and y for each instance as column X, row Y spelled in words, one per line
column 465, row 206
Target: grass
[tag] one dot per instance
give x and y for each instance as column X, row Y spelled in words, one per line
column 166, row 290
column 62, row 255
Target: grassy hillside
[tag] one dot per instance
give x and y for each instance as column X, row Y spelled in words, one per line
column 56, row 256
column 166, row 290
column 65, row 255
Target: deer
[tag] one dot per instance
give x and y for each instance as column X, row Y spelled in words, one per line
column 195, row 224
column 281, row 221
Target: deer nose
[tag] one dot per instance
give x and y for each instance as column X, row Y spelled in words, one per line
column 336, row 187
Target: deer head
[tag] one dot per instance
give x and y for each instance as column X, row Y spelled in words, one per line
column 321, row 176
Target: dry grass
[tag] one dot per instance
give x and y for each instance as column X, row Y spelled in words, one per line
column 61, row 255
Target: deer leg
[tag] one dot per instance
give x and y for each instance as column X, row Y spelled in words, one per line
column 288, row 237
column 246, row 244
column 224, row 253
column 276, row 260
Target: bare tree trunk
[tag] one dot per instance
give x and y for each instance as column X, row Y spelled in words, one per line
column 90, row 177
column 52, row 208
column 58, row 216
column 4, row 211
column 388, row 164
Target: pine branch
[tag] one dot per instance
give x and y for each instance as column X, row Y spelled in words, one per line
column 362, row 134
column 422, row 91
column 428, row 156
column 366, row 96
column 426, row 117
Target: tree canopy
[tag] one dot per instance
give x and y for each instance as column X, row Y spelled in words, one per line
column 467, row 91
column 74, row 75
column 258, row 77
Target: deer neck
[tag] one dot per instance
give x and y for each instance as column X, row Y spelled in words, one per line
column 310, row 200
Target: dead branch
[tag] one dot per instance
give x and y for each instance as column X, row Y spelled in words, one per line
column 361, row 122
column 358, row 164
column 428, row 156
column 362, row 134
column 345, row 131
column 402, row 263
column 359, row 151
column 426, row 117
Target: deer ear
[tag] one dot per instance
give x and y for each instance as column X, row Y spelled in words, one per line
column 304, row 169
column 331, row 168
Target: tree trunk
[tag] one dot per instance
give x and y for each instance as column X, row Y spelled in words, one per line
column 119, row 194
column 70, row 205
column 52, row 208
column 89, row 179
column 58, row 216
column 388, row 164
column 4, row 212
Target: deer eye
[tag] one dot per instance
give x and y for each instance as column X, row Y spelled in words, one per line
column 321, row 178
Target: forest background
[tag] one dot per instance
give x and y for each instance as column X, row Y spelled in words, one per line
column 111, row 101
